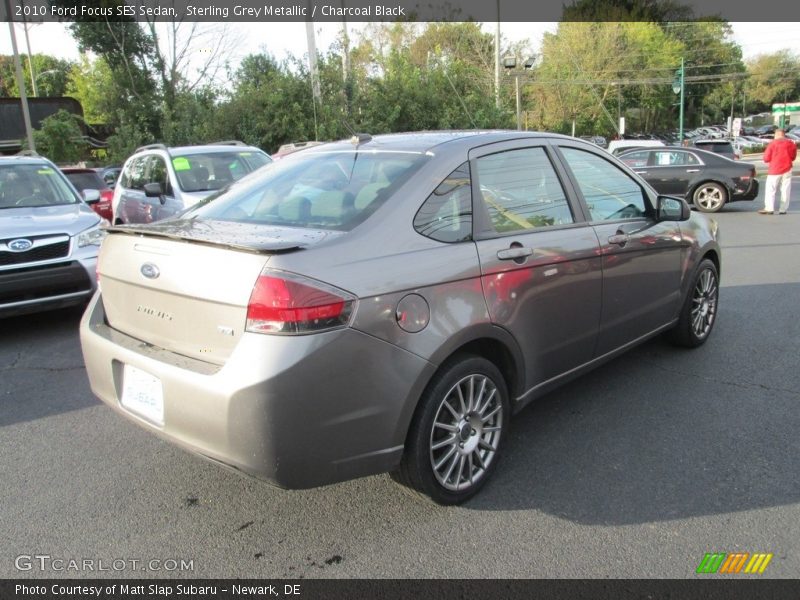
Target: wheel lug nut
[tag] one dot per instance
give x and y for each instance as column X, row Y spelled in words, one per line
column 473, row 432
column 460, row 444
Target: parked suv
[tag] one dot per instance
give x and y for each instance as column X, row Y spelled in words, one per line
column 158, row 182
column 722, row 147
column 49, row 238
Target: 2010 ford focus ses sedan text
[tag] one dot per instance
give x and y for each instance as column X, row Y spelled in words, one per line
column 388, row 303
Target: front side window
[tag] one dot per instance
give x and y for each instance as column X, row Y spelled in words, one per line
column 446, row 215
column 134, row 176
column 609, row 192
column 521, row 191
column 156, row 172
column 33, row 185
column 323, row 190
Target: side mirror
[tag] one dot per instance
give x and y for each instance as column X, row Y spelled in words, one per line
column 91, row 196
column 672, row 209
column 154, row 190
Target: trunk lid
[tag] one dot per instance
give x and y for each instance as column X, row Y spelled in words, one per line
column 184, row 286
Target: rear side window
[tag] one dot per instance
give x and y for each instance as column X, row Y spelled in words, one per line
column 609, row 192
column 446, row 215
column 325, row 190
column 521, row 191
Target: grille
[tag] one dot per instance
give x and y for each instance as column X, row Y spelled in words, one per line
column 35, row 254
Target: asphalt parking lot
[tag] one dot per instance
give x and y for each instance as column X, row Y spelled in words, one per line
column 635, row 470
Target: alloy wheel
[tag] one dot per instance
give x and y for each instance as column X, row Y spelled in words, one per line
column 466, row 432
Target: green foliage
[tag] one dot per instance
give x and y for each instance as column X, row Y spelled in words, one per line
column 59, row 138
column 51, row 79
column 773, row 77
column 415, row 76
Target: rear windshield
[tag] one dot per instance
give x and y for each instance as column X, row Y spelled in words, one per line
column 86, row 181
column 214, row 170
column 330, row 190
column 33, row 185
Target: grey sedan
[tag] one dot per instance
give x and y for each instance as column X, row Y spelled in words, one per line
column 389, row 303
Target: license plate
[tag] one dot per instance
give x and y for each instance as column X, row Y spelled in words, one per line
column 142, row 394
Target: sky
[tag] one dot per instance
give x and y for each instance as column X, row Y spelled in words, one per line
column 284, row 39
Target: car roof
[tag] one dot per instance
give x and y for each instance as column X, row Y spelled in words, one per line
column 26, row 160
column 429, row 141
column 198, row 149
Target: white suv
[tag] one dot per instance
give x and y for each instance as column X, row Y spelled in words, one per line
column 157, row 182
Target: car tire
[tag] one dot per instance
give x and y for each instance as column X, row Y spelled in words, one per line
column 709, row 197
column 699, row 311
column 456, row 436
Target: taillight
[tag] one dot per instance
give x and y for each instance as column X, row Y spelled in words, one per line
column 285, row 303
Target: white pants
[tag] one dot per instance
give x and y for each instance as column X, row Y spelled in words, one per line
column 773, row 181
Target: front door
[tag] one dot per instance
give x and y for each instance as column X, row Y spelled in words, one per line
column 641, row 257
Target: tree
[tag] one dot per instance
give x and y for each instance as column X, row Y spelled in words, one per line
column 773, row 78
column 581, row 66
column 52, row 75
column 59, row 138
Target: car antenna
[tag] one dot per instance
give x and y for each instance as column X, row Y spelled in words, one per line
column 356, row 138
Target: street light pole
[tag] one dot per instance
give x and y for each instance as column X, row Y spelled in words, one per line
column 519, row 102
column 678, row 87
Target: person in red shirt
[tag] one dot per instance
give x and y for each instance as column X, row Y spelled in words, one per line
column 779, row 155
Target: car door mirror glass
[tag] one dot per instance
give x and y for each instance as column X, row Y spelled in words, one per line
column 153, row 190
column 672, row 209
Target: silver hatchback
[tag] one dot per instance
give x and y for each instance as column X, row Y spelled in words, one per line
column 388, row 303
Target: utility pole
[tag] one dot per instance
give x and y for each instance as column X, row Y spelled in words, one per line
column 30, row 54
column 316, row 94
column 497, row 60
column 23, row 97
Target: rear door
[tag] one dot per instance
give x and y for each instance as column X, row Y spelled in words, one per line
column 540, row 264
column 641, row 257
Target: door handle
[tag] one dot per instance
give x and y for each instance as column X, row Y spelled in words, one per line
column 692, row 170
column 620, row 239
column 515, row 253
column 641, row 172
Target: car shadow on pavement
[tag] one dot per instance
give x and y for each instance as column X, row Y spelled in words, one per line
column 41, row 368
column 665, row 433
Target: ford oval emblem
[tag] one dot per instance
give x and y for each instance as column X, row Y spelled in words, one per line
column 150, row 271
column 20, row 245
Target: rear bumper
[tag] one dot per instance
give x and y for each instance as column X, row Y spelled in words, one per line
column 748, row 193
column 297, row 411
column 46, row 287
